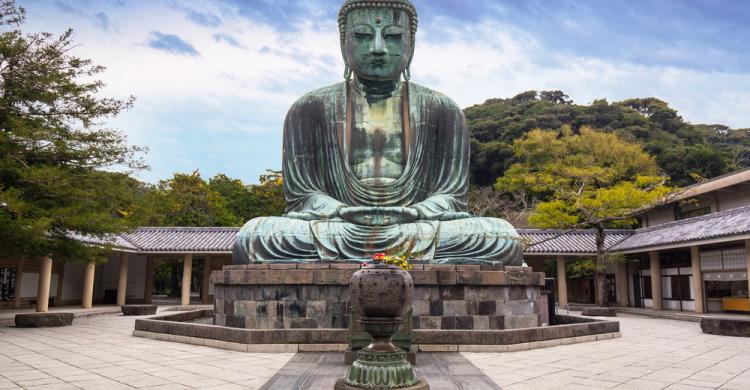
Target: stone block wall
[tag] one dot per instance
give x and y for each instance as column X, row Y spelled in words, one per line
column 289, row 296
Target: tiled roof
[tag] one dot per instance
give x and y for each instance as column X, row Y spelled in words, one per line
column 116, row 241
column 728, row 223
column 735, row 222
column 569, row 241
column 182, row 239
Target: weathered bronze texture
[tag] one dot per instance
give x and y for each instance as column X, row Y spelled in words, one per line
column 382, row 290
column 377, row 164
column 381, row 294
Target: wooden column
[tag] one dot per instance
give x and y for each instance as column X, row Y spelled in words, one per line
column 45, row 277
column 122, row 280
column 17, row 290
column 88, row 286
column 187, row 269
column 148, row 287
column 656, row 296
column 747, row 258
column 562, row 282
column 206, row 279
column 621, row 282
column 695, row 257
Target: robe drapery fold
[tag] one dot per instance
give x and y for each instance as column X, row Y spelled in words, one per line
column 318, row 182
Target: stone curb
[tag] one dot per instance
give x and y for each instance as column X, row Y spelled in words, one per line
column 104, row 312
column 296, row 348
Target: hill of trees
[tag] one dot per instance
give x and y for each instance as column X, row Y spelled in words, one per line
column 687, row 153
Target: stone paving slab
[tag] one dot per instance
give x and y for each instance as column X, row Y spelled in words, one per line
column 652, row 354
column 100, row 353
column 320, row 371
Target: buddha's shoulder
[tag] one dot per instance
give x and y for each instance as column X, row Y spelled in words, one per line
column 322, row 94
column 431, row 95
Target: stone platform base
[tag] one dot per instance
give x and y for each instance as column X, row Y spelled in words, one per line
column 289, row 296
column 737, row 327
column 43, row 320
column 599, row 312
column 191, row 328
column 138, row 310
column 341, row 385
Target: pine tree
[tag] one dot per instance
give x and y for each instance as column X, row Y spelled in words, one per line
column 62, row 171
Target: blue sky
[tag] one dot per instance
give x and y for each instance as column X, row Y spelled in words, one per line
column 214, row 78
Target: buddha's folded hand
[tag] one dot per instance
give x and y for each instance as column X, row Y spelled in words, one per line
column 452, row 215
column 378, row 216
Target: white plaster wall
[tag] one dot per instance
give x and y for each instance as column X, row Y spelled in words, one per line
column 30, row 285
column 660, row 216
column 732, row 200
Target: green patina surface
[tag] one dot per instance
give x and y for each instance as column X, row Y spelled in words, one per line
column 377, row 164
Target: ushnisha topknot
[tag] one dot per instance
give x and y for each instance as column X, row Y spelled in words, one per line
column 404, row 5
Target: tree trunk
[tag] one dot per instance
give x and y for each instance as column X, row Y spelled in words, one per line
column 599, row 273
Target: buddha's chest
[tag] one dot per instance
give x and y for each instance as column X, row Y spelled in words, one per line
column 376, row 147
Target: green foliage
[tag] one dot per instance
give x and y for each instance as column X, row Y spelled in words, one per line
column 248, row 202
column 54, row 147
column 588, row 179
column 591, row 178
column 686, row 153
column 188, row 200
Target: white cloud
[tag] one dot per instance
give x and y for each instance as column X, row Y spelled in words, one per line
column 189, row 106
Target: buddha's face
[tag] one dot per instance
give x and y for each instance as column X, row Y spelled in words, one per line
column 378, row 43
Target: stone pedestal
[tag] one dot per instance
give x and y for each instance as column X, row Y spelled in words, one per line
column 138, row 310
column 451, row 297
column 43, row 320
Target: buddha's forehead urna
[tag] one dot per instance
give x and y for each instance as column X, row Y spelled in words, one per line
column 351, row 5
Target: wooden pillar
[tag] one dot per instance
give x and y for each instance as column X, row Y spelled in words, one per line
column 187, row 269
column 17, row 290
column 45, row 277
column 88, row 286
column 747, row 258
column 621, row 283
column 122, row 280
column 206, row 279
column 562, row 282
column 656, row 295
column 148, row 287
column 695, row 257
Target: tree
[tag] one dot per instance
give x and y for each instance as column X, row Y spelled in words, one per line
column 248, row 202
column 54, row 147
column 187, row 200
column 270, row 194
column 489, row 202
column 591, row 180
column 495, row 124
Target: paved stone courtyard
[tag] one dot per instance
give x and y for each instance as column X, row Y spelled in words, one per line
column 652, row 354
column 100, row 353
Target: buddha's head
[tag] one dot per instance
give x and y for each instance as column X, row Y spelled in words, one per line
column 377, row 38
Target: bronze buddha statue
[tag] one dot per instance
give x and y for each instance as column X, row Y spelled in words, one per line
column 377, row 163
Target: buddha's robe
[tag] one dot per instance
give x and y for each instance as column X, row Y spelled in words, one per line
column 319, row 180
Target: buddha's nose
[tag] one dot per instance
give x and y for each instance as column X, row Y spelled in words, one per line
column 378, row 46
